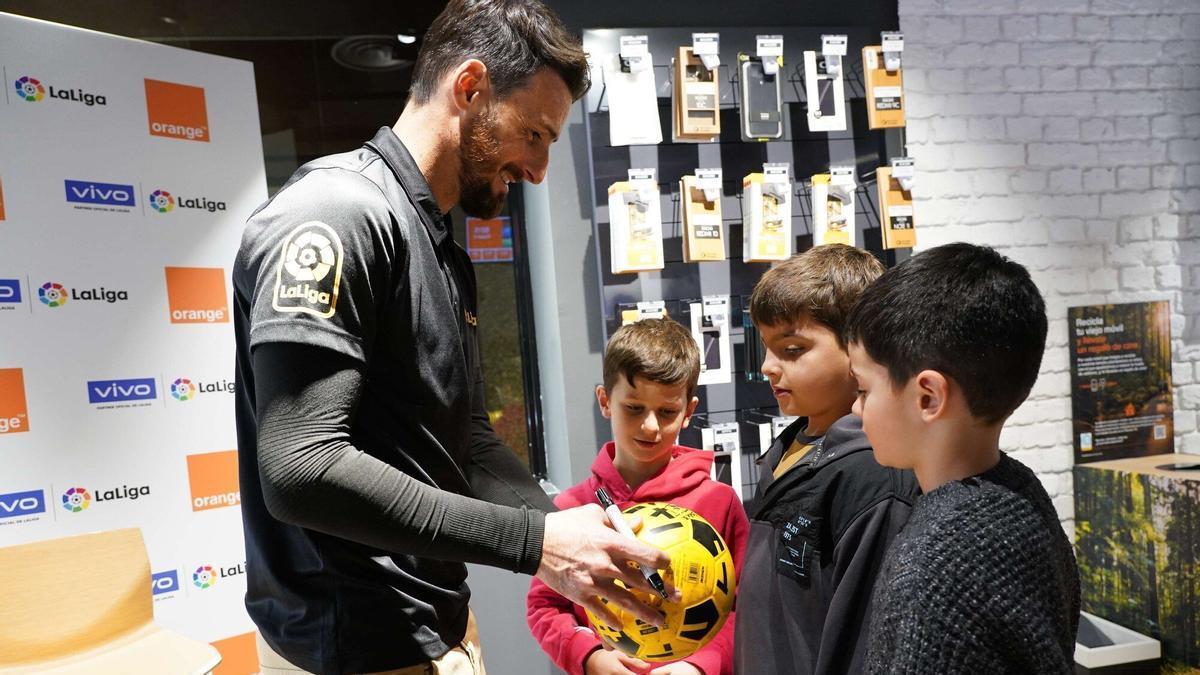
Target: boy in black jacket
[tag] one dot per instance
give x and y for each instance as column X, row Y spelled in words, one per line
column 982, row 579
column 825, row 511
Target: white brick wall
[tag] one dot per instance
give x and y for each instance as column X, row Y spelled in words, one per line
column 1066, row 134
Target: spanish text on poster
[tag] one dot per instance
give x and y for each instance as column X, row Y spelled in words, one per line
column 1121, row 380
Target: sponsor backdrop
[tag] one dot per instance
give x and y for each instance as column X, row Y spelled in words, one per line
column 126, row 172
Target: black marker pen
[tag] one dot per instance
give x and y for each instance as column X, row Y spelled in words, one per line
column 619, row 524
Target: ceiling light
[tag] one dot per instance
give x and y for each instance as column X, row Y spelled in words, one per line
column 372, row 53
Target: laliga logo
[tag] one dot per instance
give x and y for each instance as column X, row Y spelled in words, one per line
column 52, row 294
column 76, row 499
column 55, row 295
column 312, row 257
column 30, row 89
column 309, row 258
column 161, row 201
column 183, row 389
column 204, row 576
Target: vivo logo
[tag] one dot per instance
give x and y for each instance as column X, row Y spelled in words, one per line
column 10, row 291
column 88, row 192
column 112, row 391
column 164, row 582
column 26, row 503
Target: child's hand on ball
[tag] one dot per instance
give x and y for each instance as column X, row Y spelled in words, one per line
column 612, row 662
column 677, row 668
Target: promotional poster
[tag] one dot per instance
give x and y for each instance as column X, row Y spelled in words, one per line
column 1121, row 399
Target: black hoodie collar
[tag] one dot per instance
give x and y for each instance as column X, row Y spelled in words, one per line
column 844, row 437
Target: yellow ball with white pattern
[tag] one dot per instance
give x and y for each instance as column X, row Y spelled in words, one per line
column 702, row 571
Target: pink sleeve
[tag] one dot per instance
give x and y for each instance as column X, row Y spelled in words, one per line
column 716, row 657
column 552, row 619
column 737, row 531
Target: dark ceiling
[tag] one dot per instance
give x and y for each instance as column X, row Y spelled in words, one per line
column 247, row 19
column 330, row 108
column 257, row 19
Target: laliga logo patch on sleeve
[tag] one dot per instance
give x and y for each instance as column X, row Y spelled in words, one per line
column 310, row 271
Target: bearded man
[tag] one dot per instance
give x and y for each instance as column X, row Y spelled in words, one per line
column 369, row 470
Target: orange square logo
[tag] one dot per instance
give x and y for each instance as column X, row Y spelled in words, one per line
column 239, row 655
column 213, row 477
column 485, row 233
column 197, row 295
column 14, row 416
column 176, row 111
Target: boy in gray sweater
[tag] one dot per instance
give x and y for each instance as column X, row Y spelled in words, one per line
column 982, row 579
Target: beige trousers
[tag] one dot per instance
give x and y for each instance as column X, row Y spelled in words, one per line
column 465, row 659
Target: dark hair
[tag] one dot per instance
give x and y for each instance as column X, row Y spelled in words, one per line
column 823, row 283
column 513, row 38
column 963, row 310
column 659, row 350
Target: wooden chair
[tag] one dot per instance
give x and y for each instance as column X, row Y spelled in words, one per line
column 83, row 605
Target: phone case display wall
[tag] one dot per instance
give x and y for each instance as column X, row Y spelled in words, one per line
column 725, row 168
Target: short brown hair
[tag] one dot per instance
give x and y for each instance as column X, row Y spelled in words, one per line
column 513, row 38
column 659, row 350
column 823, row 283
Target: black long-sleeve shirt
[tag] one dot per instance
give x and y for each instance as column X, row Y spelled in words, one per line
column 369, row 471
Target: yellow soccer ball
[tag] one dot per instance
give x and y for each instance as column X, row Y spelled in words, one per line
column 702, row 571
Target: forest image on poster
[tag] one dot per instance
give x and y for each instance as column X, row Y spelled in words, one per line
column 1137, row 541
column 1121, row 399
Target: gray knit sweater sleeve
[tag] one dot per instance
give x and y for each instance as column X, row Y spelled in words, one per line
column 981, row 580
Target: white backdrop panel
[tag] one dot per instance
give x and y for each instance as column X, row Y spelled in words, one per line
column 77, row 183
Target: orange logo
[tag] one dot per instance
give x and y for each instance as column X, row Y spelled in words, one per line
column 176, row 110
column 1, row 201
column 213, row 477
column 489, row 240
column 197, row 295
column 14, row 417
column 239, row 655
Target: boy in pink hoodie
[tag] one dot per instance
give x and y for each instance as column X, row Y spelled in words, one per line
column 650, row 373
